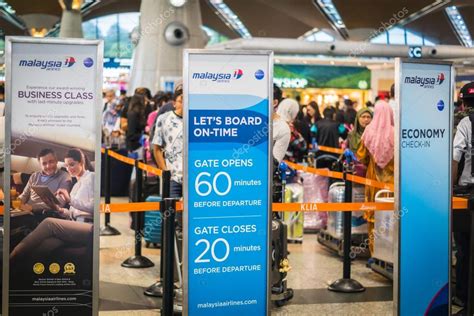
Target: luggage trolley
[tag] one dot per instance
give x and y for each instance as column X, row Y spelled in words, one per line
column 382, row 259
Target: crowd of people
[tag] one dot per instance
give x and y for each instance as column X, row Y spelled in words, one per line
column 128, row 122
column 151, row 128
column 369, row 133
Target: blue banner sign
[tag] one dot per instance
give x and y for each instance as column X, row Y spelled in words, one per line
column 424, row 182
column 227, row 193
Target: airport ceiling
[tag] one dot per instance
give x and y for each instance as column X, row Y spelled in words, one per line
column 285, row 18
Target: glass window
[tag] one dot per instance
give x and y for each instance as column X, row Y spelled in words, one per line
column 323, row 37
column 380, row 39
column 115, row 30
column 396, row 35
column 427, row 42
column 317, row 36
column 89, row 29
column 214, row 36
column 127, row 22
column 414, row 39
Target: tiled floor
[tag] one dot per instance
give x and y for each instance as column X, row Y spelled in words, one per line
column 313, row 268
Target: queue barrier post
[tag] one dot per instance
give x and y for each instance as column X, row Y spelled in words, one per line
column 168, row 248
column 346, row 284
column 156, row 289
column 107, row 229
column 137, row 260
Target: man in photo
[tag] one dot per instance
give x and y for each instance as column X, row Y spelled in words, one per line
column 50, row 176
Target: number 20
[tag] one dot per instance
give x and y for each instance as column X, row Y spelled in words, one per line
column 199, row 259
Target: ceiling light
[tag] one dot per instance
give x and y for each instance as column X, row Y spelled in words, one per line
column 177, row 3
column 459, row 25
column 328, row 9
column 229, row 17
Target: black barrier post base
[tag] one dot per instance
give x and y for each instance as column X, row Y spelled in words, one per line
column 154, row 290
column 109, row 231
column 137, row 262
column 346, row 284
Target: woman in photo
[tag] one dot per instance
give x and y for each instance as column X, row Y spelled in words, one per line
column 75, row 226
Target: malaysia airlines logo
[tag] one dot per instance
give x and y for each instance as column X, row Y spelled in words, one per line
column 425, row 82
column 49, row 64
column 219, row 76
column 70, row 61
column 238, row 74
column 440, row 78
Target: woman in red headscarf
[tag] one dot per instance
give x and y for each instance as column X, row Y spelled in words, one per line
column 376, row 151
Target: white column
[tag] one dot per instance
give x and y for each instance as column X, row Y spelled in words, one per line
column 71, row 24
column 154, row 57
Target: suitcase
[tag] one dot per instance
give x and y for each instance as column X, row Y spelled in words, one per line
column 384, row 229
column 280, row 264
column 152, row 229
column 294, row 220
column 335, row 226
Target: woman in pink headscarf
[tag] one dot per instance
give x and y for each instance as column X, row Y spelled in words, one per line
column 376, row 151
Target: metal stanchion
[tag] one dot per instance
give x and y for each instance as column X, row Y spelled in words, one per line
column 156, row 289
column 107, row 230
column 138, row 261
column 346, row 284
column 168, row 248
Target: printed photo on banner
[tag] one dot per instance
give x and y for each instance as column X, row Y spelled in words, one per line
column 51, row 215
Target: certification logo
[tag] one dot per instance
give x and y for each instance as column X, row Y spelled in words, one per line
column 259, row 74
column 88, row 62
column 70, row 61
column 69, row 268
column 54, row 268
column 440, row 105
column 238, row 74
column 38, row 268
